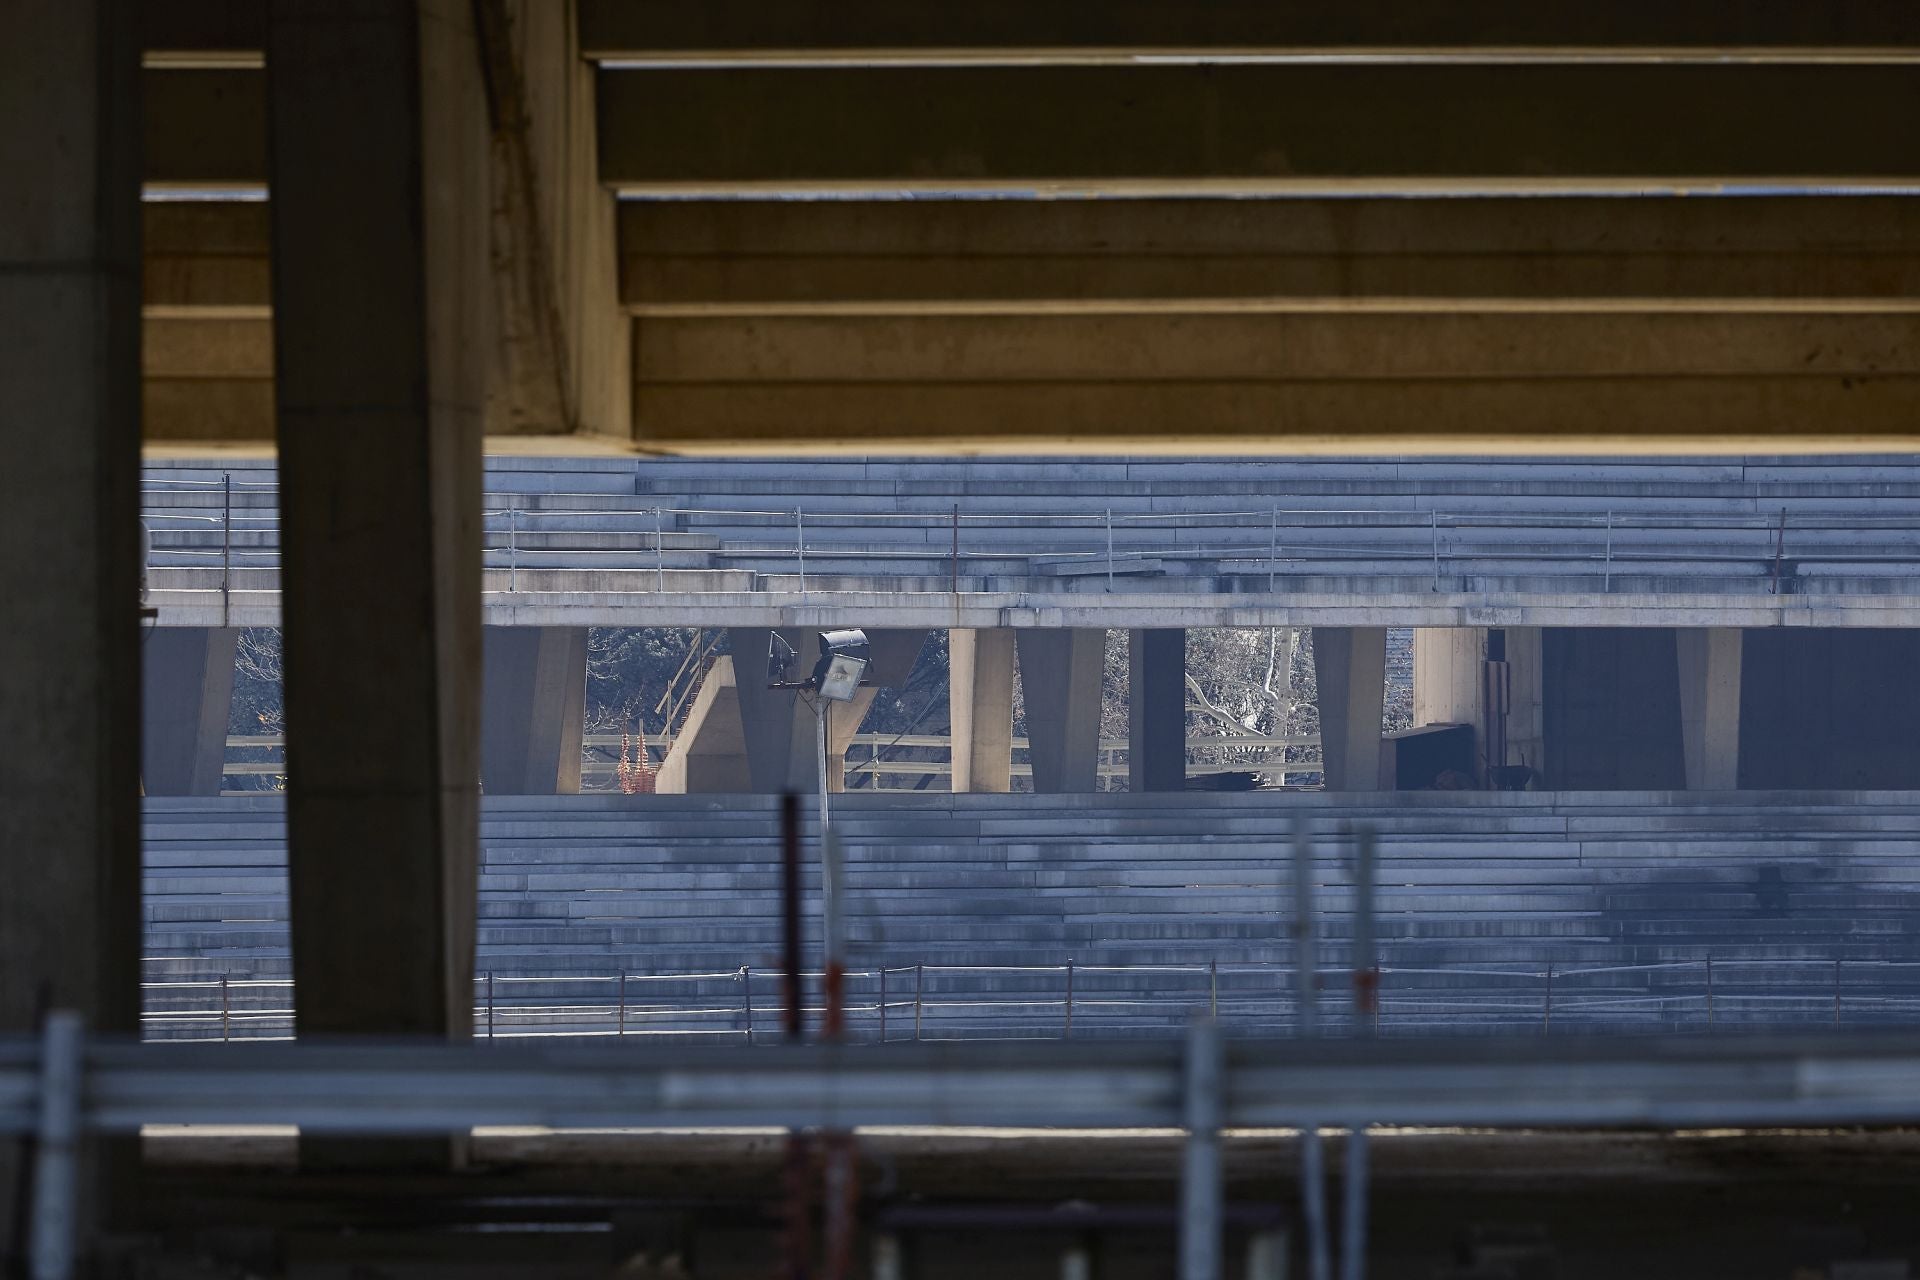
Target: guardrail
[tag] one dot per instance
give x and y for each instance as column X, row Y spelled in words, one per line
column 1252, row 540
column 870, row 768
column 972, row 1002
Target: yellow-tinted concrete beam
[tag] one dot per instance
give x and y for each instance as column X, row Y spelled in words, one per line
column 870, row 29
column 203, row 253
column 1545, row 377
column 1172, row 128
column 205, row 126
column 752, row 255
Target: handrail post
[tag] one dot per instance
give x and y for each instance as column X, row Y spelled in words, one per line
column 1213, row 988
column 226, row 549
column 1109, row 548
column 1433, row 515
column 883, row 1002
column 622, row 1023
column 659, row 553
column 1606, row 581
column 513, row 549
column 1546, row 1009
column 226, row 1026
column 956, row 549
column 1709, row 990
column 1273, row 549
column 746, row 997
column 489, row 1004
column 800, row 547
column 1068, row 1028
column 919, row 981
column 1836, row 991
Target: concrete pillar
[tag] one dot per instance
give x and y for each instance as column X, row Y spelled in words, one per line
column 1526, row 703
column 186, row 695
column 1350, row 672
column 381, row 303
column 1060, row 671
column 70, row 449
column 1709, row 666
column 980, row 708
column 1447, row 675
column 533, row 709
column 1157, row 709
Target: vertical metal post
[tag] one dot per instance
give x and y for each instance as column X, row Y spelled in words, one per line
column 226, row 1008
column 822, row 710
column 886, row 1258
column 800, row 547
column 1068, row 1032
column 55, row 1225
column 226, row 549
column 1273, row 550
column 489, row 1004
column 1546, row 1008
column 1366, row 961
column 883, row 1004
column 1606, row 583
column 623, row 1003
column 956, row 548
column 1109, row 548
column 792, row 1020
column 1836, row 991
column 1433, row 517
column 513, row 549
column 1779, row 553
column 1200, row 1182
column 1353, row 1219
column 833, row 902
column 1305, row 978
column 1709, row 990
column 659, row 553
column 1213, row 988
column 746, row 997
column 919, row 981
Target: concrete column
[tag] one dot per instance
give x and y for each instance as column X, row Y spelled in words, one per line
column 186, row 695
column 1060, row 672
column 1447, row 675
column 1157, row 709
column 1350, row 672
column 70, row 449
column 1709, row 664
column 381, row 304
column 980, row 708
column 533, row 709
column 1526, row 702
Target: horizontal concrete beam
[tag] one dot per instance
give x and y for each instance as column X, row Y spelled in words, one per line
column 1513, row 378
column 822, row 609
column 205, row 253
column 1256, row 127
column 202, row 31
column 878, row 28
column 205, row 126
column 1062, row 253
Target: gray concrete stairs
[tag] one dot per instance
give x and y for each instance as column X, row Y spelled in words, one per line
column 1553, row 910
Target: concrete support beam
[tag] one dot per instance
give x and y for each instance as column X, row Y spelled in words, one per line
column 1527, row 741
column 1060, row 672
column 1157, row 710
column 70, row 443
column 1500, row 377
column 186, row 696
column 1364, row 126
column 980, row 708
column 533, row 710
column 205, row 126
column 1055, row 254
column 381, row 309
column 1709, row 665
column 1350, row 673
column 868, row 30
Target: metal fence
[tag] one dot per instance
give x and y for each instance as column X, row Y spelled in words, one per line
column 1245, row 541
column 925, row 1002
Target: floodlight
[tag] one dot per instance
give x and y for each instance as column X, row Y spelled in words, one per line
column 842, row 665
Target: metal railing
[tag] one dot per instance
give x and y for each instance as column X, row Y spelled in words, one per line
column 891, row 1003
column 1242, row 541
column 870, row 767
